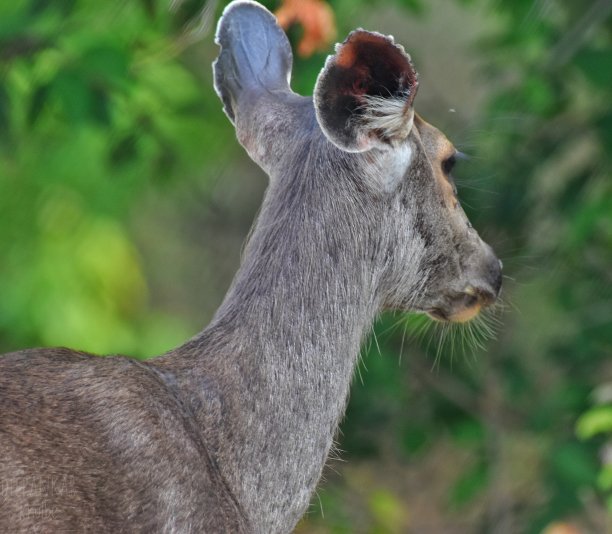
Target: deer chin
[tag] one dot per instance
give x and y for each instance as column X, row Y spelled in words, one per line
column 461, row 307
column 462, row 315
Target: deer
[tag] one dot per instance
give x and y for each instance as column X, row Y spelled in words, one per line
column 230, row 431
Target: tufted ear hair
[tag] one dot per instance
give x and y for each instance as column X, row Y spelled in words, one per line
column 363, row 96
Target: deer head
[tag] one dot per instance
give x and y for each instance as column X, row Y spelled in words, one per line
column 360, row 139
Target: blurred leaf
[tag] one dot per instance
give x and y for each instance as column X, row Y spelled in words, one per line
column 604, row 128
column 149, row 7
column 469, row 485
column 596, row 65
column 105, row 64
column 574, row 465
column 63, row 6
column 168, row 84
column 415, row 6
column 468, row 432
column 12, row 25
column 100, row 107
column 598, row 420
column 538, row 95
column 37, row 104
column 388, row 512
column 604, row 479
column 5, row 107
column 414, row 438
column 75, row 96
column 123, row 150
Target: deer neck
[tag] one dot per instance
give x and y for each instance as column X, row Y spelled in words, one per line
column 278, row 358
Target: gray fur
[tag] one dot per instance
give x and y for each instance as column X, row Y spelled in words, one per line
column 230, row 431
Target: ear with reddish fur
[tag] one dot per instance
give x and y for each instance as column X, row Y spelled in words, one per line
column 364, row 94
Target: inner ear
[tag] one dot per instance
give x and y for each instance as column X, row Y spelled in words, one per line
column 371, row 64
column 365, row 92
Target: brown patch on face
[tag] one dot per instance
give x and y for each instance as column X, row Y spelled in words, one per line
column 438, row 149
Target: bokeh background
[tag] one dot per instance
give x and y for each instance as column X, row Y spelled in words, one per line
column 125, row 200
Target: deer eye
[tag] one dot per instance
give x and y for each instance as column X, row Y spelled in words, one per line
column 448, row 165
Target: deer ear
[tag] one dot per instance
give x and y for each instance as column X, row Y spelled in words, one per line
column 363, row 96
column 255, row 56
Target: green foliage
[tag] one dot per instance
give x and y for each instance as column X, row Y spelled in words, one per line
column 596, row 423
column 469, row 485
column 95, row 105
column 388, row 513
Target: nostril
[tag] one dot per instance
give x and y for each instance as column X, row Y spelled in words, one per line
column 486, row 284
column 493, row 274
column 473, row 295
column 497, row 277
column 470, row 300
column 484, row 296
column 498, row 283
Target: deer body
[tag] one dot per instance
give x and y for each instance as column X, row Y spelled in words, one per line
column 230, row 431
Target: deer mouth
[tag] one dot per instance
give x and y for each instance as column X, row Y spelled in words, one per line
column 456, row 316
column 462, row 307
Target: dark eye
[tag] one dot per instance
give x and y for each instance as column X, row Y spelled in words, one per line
column 448, row 164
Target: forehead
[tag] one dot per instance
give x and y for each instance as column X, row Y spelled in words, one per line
column 434, row 141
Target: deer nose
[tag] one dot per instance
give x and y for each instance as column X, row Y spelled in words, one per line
column 486, row 285
column 494, row 274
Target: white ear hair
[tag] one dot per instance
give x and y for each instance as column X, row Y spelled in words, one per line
column 364, row 95
column 391, row 117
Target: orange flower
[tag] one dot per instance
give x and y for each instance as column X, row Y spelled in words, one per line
column 317, row 19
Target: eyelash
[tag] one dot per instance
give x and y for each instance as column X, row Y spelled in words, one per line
column 448, row 165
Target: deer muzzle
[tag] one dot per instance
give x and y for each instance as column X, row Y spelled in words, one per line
column 481, row 291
